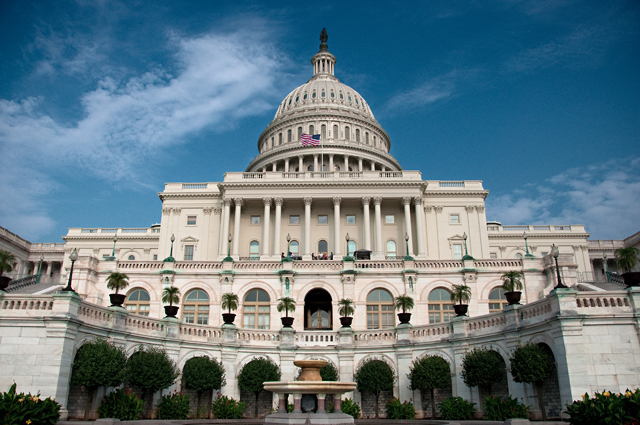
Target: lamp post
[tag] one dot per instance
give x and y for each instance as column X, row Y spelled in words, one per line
column 348, row 257
column 113, row 252
column 39, row 268
column 606, row 268
column 406, row 241
column 288, row 257
column 466, row 252
column 73, row 257
column 170, row 258
column 229, row 258
column 555, row 253
column 526, row 245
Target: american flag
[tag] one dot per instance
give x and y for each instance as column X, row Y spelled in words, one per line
column 310, row 140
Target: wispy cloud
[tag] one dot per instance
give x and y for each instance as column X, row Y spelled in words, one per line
column 220, row 79
column 425, row 93
column 605, row 197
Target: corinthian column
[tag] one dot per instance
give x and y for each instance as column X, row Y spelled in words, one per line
column 379, row 252
column 417, row 202
column 336, row 226
column 276, row 234
column 406, row 201
column 367, row 222
column 266, row 227
column 307, row 228
column 236, row 229
column 224, row 235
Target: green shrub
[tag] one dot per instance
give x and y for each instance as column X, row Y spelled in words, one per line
column 497, row 409
column 227, row 408
column 349, row 407
column 456, row 408
column 173, row 406
column 121, row 404
column 27, row 409
column 329, row 372
column 374, row 376
column 605, row 408
column 398, row 410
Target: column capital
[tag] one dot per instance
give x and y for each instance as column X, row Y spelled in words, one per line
column 166, row 211
column 227, row 202
column 428, row 208
column 337, row 200
column 278, row 202
column 217, row 210
column 307, row 200
column 207, row 210
column 406, row 200
column 330, row 155
column 237, row 201
column 366, row 200
column 267, row 201
column 470, row 208
column 437, row 208
column 315, row 155
column 377, row 200
column 479, row 208
column 417, row 200
column 176, row 211
column 300, row 156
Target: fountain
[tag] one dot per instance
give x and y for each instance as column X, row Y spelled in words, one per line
column 310, row 382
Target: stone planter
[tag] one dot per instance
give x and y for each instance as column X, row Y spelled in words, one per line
column 346, row 322
column 631, row 278
column 513, row 297
column 460, row 309
column 404, row 318
column 286, row 321
column 117, row 299
column 228, row 318
column 4, row 282
column 171, row 310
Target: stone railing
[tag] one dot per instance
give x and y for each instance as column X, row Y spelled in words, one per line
column 603, row 302
column 493, row 320
column 380, row 264
column 441, row 264
column 140, row 265
column 198, row 265
column 535, row 229
column 433, row 331
column 313, row 338
column 375, row 336
column 199, row 332
column 94, row 313
column 145, row 323
column 25, row 304
column 258, row 337
column 318, row 264
column 270, row 176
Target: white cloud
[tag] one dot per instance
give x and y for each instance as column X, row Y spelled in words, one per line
column 423, row 94
column 220, row 79
column 605, row 198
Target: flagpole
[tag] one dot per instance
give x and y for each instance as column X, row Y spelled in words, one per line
column 321, row 155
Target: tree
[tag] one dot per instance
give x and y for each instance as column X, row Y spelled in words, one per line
column 460, row 294
column 482, row 367
column 171, row 295
column 117, row 281
column 97, row 364
column 429, row 373
column 287, row 304
column 255, row 373
column 329, row 372
column 374, row 376
column 7, row 260
column 627, row 258
column 229, row 301
column 512, row 281
column 202, row 374
column 531, row 364
column 403, row 302
column 346, row 307
column 150, row 369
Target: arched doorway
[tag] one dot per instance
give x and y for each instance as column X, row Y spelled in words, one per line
column 317, row 310
column 551, row 388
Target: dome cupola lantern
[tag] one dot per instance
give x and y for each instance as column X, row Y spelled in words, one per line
column 323, row 62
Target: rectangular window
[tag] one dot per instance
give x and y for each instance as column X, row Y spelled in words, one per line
column 191, row 220
column 188, row 252
column 544, row 253
column 454, row 218
column 155, row 257
column 255, row 219
column 493, row 255
column 203, row 314
column 389, row 219
column 105, row 256
column 294, row 219
column 351, row 219
column 457, row 252
column 323, row 219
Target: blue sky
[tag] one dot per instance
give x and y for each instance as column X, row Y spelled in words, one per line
column 102, row 102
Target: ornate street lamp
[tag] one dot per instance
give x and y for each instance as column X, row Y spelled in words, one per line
column 170, row 258
column 113, row 252
column 39, row 268
column 526, row 245
column 73, row 257
column 555, row 253
column 229, row 258
column 466, row 252
column 288, row 257
column 348, row 257
column 606, row 268
column 406, row 241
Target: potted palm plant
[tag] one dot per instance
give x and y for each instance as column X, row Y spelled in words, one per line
column 404, row 303
column 460, row 294
column 287, row 304
column 627, row 259
column 512, row 285
column 7, row 260
column 171, row 295
column 229, row 302
column 117, row 281
column 346, row 310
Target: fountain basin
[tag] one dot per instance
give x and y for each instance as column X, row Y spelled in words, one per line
column 310, row 369
column 310, row 387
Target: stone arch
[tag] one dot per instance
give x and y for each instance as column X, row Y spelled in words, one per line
column 196, row 284
column 551, row 398
column 500, row 388
column 488, row 287
column 383, row 357
column 439, row 393
column 318, row 284
column 265, row 400
column 377, row 284
column 141, row 284
column 197, row 353
column 439, row 283
column 242, row 361
column 368, row 399
column 258, row 284
column 124, row 256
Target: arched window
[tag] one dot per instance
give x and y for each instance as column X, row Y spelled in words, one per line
column 132, row 257
column 138, row 302
column 288, row 136
column 357, row 134
column 391, row 250
column 254, row 250
column 497, row 300
column 323, row 131
column 196, row 307
column 294, row 247
column 336, row 133
column 351, row 247
column 379, row 310
column 317, row 310
column 440, row 306
column 323, row 247
column 366, row 138
column 310, row 168
column 311, row 129
column 279, row 138
column 255, row 310
column 347, row 134
column 299, row 133
column 374, row 141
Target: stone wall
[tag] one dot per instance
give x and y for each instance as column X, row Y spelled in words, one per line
column 265, row 403
column 439, row 395
column 368, row 404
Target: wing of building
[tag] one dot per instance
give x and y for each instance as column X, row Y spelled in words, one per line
column 319, row 222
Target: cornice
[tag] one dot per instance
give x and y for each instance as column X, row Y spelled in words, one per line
column 462, row 192
column 518, row 235
column 231, row 185
column 173, row 195
column 109, row 238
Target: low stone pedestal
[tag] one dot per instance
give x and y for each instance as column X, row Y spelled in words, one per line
column 320, row 418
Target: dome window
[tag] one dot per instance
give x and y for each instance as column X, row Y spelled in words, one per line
column 341, row 96
column 297, row 98
column 304, row 97
column 349, row 98
column 313, row 95
column 323, row 95
column 290, row 99
column 333, row 95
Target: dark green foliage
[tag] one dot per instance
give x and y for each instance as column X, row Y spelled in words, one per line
column 117, row 281
column 173, row 406
column 497, row 409
column 150, row 369
column 227, row 408
column 7, row 261
column 456, row 408
column 605, row 408
column 98, row 364
column 374, row 376
column 398, row 410
column 482, row 367
column 329, row 372
column 255, row 373
column 429, row 373
column 627, row 258
column 121, row 404
column 349, row 407
column 403, row 302
column 27, row 409
column 530, row 363
column 202, row 374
